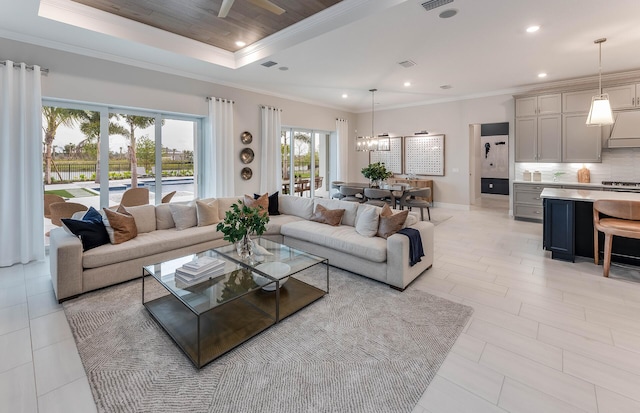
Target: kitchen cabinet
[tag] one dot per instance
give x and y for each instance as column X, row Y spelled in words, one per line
column 527, row 203
column 539, row 139
column 578, row 101
column 580, row 143
column 558, row 232
column 539, row 105
column 623, row 96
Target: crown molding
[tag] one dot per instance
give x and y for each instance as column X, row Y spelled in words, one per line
column 581, row 83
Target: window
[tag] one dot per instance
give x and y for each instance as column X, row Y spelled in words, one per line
column 305, row 162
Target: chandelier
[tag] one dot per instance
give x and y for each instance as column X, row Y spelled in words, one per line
column 373, row 142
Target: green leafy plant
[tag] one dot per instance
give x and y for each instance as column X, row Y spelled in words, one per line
column 241, row 220
column 376, row 171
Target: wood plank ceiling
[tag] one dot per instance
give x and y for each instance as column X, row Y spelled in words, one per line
column 198, row 19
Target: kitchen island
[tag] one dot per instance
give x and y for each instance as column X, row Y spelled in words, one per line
column 568, row 225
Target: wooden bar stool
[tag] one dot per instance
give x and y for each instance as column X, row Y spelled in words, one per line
column 622, row 220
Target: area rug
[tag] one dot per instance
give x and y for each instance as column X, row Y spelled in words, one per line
column 364, row 347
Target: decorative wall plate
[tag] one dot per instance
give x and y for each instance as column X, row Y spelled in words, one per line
column 246, row 137
column 246, row 173
column 246, row 155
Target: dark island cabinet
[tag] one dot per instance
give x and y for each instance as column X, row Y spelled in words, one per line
column 559, row 229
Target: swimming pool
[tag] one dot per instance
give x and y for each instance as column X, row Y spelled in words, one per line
column 168, row 185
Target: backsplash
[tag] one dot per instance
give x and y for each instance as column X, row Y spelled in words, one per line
column 617, row 165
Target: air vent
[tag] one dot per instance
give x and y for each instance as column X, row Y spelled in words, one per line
column 407, row 63
column 269, row 63
column 430, row 5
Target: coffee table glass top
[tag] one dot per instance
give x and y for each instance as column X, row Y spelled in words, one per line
column 231, row 284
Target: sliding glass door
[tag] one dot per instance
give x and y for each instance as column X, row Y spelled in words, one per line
column 305, row 162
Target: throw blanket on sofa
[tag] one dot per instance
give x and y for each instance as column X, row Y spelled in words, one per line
column 415, row 245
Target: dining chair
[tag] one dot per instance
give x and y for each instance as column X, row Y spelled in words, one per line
column 378, row 197
column 135, row 197
column 336, row 185
column 417, row 198
column 350, row 193
column 622, row 219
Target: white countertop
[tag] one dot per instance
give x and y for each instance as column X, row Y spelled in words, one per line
column 586, row 185
column 586, row 195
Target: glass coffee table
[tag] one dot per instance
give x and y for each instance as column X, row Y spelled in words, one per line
column 246, row 297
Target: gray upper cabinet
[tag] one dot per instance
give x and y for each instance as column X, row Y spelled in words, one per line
column 539, row 139
column 539, row 105
column 573, row 102
column 580, row 143
column 624, row 96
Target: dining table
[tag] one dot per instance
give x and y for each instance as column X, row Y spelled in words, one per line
column 397, row 191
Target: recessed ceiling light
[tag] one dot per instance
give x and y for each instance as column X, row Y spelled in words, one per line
column 344, row 96
column 407, row 84
column 448, row 13
column 541, row 75
column 445, row 87
column 283, row 68
column 533, row 29
column 240, row 43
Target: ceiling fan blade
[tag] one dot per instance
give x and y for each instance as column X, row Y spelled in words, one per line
column 225, row 7
column 267, row 5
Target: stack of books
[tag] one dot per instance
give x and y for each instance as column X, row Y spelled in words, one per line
column 198, row 270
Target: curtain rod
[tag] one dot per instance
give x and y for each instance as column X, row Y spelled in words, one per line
column 220, row 99
column 29, row 67
column 270, row 108
column 342, row 120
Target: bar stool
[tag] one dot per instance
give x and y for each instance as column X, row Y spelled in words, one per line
column 622, row 220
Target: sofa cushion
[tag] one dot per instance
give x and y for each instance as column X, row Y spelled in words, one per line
column 207, row 212
column 262, row 203
column 145, row 217
column 274, row 209
column 367, row 220
column 164, row 220
column 296, row 205
column 327, row 216
column 92, row 234
column 120, row 225
column 224, row 204
column 277, row 221
column 342, row 238
column 350, row 208
column 147, row 244
column 184, row 216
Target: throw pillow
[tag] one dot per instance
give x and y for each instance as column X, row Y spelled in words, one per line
column 164, row 220
column 92, row 215
column 144, row 215
column 185, row 216
column 92, row 234
column 261, row 202
column 367, row 220
column 390, row 224
column 207, row 212
column 274, row 208
column 120, row 226
column 327, row 216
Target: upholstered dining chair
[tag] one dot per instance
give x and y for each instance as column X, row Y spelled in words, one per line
column 167, row 198
column 378, row 197
column 48, row 200
column 60, row 210
column 336, row 185
column 135, row 197
column 622, row 219
column 349, row 193
column 417, row 198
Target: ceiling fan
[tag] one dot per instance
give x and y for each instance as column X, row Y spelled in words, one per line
column 265, row 4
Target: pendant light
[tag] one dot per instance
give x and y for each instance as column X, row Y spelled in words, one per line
column 600, row 112
column 373, row 142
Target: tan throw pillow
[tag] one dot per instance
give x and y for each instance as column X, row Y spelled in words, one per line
column 184, row 216
column 207, row 212
column 327, row 216
column 390, row 224
column 386, row 211
column 121, row 227
column 144, row 215
column 262, row 202
column 164, row 220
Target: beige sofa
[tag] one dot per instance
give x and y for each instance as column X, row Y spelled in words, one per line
column 74, row 272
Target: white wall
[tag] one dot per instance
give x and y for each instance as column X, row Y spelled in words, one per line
column 451, row 119
column 79, row 78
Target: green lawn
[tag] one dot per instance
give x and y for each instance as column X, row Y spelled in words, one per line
column 71, row 192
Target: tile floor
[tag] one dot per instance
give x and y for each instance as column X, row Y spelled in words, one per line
column 546, row 336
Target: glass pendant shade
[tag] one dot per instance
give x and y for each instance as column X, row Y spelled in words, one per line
column 384, row 143
column 600, row 112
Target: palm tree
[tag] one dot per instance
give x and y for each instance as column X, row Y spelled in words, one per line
column 53, row 118
column 134, row 123
column 90, row 127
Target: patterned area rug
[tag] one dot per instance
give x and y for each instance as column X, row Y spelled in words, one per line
column 364, row 347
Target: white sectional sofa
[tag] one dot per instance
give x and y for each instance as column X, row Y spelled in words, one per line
column 74, row 272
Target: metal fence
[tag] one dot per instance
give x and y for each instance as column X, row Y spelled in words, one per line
column 77, row 171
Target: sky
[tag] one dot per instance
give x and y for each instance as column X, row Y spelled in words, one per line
column 176, row 134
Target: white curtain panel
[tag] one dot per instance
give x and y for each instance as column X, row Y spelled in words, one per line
column 342, row 129
column 21, row 181
column 271, row 161
column 215, row 152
